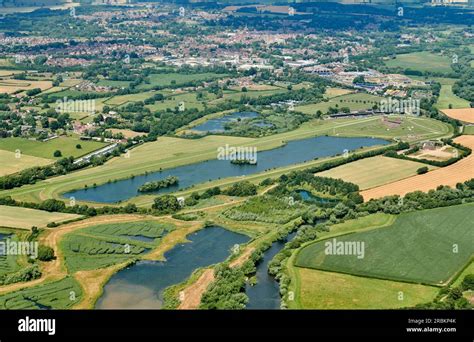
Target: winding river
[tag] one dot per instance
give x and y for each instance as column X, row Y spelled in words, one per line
column 266, row 293
column 294, row 152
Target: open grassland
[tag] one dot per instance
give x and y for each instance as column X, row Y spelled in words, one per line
column 61, row 294
column 424, row 250
column 356, row 101
column 67, row 146
column 449, row 175
column 169, row 152
column 370, row 172
column 327, row 290
column 164, row 80
column 411, row 128
column 25, row 218
column 109, row 244
column 9, row 163
column 127, row 133
column 8, row 263
column 190, row 101
column 120, row 100
column 462, row 114
column 468, row 130
column 334, row 92
column 422, row 61
column 236, row 95
column 446, row 96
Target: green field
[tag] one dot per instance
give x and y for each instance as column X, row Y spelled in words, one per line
column 164, row 80
column 172, row 101
column 25, row 218
column 176, row 152
column 424, row 252
column 422, row 61
column 8, row 263
column 67, row 146
column 468, row 130
column 357, row 101
column 327, row 290
column 371, row 172
column 115, row 84
column 11, row 164
column 61, row 294
column 447, row 97
column 108, row 244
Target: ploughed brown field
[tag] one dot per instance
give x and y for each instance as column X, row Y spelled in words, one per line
column 461, row 114
column 461, row 171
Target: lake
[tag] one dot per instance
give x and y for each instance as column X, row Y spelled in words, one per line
column 141, row 285
column 294, row 152
column 218, row 124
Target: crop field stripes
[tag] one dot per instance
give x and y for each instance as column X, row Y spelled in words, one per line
column 433, row 245
column 61, row 294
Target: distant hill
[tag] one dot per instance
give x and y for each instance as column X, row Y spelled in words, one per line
column 31, row 3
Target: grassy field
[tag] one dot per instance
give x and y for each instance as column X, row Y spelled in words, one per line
column 357, row 101
column 25, row 218
column 12, row 164
column 422, row 61
column 109, row 244
column 176, row 152
column 370, row 172
column 333, row 92
column 67, row 146
column 164, row 80
column 468, row 130
column 328, row 290
column 190, row 101
column 447, row 97
column 424, row 252
column 9, row 263
column 61, row 294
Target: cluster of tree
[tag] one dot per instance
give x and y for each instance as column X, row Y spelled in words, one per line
column 243, row 162
column 160, row 184
column 227, row 290
column 195, row 196
column 24, row 274
column 166, row 204
column 321, row 184
column 450, row 298
column 241, row 189
column 54, row 205
column 464, row 87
